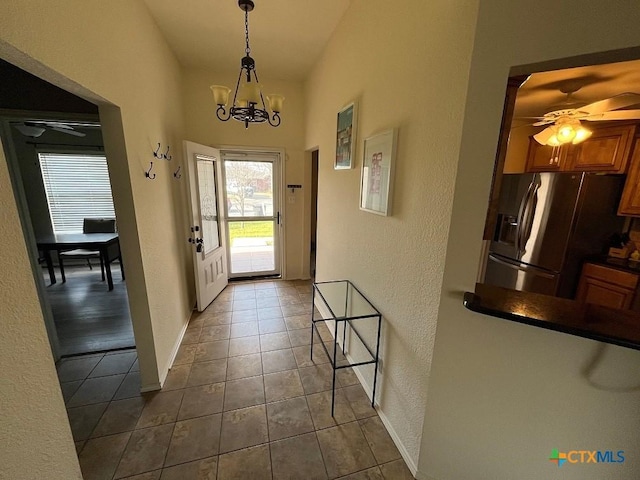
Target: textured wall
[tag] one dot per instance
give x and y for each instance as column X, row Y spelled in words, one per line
column 34, row 430
column 403, row 62
column 203, row 127
column 502, row 395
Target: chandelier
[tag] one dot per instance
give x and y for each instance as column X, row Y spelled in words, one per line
column 248, row 104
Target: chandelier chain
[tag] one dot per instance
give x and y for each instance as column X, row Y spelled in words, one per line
column 246, row 32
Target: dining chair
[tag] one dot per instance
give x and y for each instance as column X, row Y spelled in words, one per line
column 89, row 225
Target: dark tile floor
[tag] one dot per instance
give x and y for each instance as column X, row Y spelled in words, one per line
column 242, row 401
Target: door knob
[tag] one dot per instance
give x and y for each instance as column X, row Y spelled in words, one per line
column 198, row 242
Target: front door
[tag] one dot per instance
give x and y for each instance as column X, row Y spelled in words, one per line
column 253, row 220
column 204, row 169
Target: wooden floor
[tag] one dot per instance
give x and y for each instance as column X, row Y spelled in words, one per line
column 89, row 317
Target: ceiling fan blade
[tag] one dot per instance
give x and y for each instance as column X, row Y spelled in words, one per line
column 543, row 122
column 613, row 103
column 617, row 115
column 543, row 136
column 69, row 131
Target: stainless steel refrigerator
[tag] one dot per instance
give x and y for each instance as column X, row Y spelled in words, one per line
column 547, row 224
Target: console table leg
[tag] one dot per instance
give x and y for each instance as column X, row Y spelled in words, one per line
column 375, row 365
column 334, row 365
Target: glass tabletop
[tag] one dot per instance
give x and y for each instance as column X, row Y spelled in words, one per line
column 344, row 300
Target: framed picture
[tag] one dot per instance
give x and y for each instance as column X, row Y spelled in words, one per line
column 376, row 181
column 346, row 137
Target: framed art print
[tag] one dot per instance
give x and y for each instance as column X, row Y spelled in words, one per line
column 346, row 137
column 376, row 181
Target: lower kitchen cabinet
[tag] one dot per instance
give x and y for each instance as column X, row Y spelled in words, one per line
column 606, row 286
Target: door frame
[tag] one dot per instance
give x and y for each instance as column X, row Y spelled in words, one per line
column 282, row 242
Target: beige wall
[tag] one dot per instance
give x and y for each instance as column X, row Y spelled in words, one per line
column 203, row 127
column 35, row 435
column 502, row 395
column 113, row 54
column 406, row 65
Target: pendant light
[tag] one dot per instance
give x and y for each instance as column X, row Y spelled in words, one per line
column 248, row 104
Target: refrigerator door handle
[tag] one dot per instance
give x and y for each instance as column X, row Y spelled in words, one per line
column 528, row 216
column 521, row 210
column 522, row 267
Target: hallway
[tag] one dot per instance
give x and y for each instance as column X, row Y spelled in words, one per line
column 242, row 401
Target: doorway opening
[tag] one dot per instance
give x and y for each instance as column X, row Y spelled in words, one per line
column 54, row 149
column 253, row 219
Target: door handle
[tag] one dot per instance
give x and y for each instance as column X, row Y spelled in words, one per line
column 522, row 267
column 278, row 218
column 198, row 242
column 520, row 218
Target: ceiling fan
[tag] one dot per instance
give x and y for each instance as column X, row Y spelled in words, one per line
column 563, row 126
column 36, row 128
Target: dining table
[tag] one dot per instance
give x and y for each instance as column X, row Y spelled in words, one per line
column 107, row 244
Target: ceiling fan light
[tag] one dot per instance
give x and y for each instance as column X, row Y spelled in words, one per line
column 553, row 141
column 581, row 135
column 565, row 133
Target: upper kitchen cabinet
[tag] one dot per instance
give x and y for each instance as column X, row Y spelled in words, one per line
column 630, row 202
column 606, row 151
column 543, row 158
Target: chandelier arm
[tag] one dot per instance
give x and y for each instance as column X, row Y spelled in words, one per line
column 264, row 105
column 235, row 94
column 223, row 110
column 276, row 119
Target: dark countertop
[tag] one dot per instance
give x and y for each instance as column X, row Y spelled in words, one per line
column 623, row 264
column 619, row 327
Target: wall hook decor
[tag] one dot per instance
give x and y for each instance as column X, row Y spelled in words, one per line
column 148, row 173
column 177, row 173
column 166, row 155
column 157, row 153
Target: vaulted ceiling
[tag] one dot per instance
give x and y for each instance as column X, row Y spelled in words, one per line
column 287, row 36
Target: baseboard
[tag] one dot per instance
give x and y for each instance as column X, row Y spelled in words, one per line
column 174, row 352
column 150, row 388
column 369, row 390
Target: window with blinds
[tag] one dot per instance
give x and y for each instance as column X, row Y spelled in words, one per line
column 77, row 186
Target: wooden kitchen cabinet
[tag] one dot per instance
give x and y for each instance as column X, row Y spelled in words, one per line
column 630, row 201
column 606, row 151
column 542, row 158
column 606, row 286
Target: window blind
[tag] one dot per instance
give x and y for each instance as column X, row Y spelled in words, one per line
column 77, row 186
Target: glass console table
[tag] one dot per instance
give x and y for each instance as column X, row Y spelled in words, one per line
column 353, row 319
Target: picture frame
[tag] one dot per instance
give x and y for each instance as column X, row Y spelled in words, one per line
column 346, row 137
column 378, row 165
